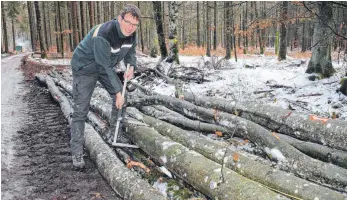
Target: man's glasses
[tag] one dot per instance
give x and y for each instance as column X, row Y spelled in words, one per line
column 130, row 24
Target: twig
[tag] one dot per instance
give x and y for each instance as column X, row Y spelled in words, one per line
column 310, row 95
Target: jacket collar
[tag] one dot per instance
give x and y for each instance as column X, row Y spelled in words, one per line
column 120, row 34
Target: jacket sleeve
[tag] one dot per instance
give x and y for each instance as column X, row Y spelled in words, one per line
column 130, row 58
column 102, row 54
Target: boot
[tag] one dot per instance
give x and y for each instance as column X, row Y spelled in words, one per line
column 77, row 161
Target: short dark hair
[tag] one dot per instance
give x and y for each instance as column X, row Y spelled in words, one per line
column 132, row 9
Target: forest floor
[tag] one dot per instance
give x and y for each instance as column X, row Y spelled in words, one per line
column 35, row 155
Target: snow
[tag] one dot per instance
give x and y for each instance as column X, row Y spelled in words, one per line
column 275, row 154
column 161, row 187
column 236, row 82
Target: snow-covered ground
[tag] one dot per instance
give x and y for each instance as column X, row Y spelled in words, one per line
column 233, row 80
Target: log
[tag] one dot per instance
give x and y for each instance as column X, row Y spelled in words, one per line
column 327, row 154
column 202, row 173
column 289, row 158
column 332, row 133
column 180, row 120
column 122, row 180
column 298, row 163
column 275, row 179
column 323, row 153
column 187, row 74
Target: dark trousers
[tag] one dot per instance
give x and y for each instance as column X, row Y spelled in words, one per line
column 83, row 87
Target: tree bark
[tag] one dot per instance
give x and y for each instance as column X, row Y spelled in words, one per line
column 91, row 14
column 4, row 27
column 39, row 30
column 83, row 19
column 173, row 40
column 197, row 24
column 320, row 61
column 228, row 31
column 13, row 35
column 160, row 31
column 31, row 24
column 141, row 30
column 74, row 24
column 56, row 18
column 215, row 27
column 208, row 29
column 61, row 32
column 283, row 44
column 45, row 24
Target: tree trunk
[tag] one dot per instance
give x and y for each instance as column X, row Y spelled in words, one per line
column 82, row 13
column 283, row 44
column 320, row 61
column 233, row 34
column 4, row 27
column 258, row 29
column 13, row 35
column 197, row 24
column 56, row 18
column 112, row 14
column 215, row 27
column 160, row 31
column 31, row 23
column 61, row 32
column 74, row 24
column 91, row 14
column 39, row 30
column 208, row 29
column 141, row 30
column 183, row 37
column 98, row 4
column 303, row 40
column 173, row 40
column 228, row 31
column 45, row 24
column 69, row 13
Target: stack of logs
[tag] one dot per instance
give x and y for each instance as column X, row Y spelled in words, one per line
column 304, row 156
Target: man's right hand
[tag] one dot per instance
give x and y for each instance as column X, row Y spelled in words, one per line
column 119, row 100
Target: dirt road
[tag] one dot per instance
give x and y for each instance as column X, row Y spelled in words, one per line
column 35, row 154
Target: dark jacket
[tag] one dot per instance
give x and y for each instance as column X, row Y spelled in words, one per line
column 104, row 51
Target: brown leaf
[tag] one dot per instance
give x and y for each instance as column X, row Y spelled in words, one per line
column 236, row 157
column 219, row 133
column 275, row 135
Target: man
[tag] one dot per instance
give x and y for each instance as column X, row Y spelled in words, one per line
column 93, row 60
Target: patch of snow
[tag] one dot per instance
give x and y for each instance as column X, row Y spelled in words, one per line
column 161, row 187
column 275, row 153
column 166, row 145
column 163, row 159
column 165, row 171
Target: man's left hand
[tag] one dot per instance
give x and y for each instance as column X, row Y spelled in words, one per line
column 130, row 73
